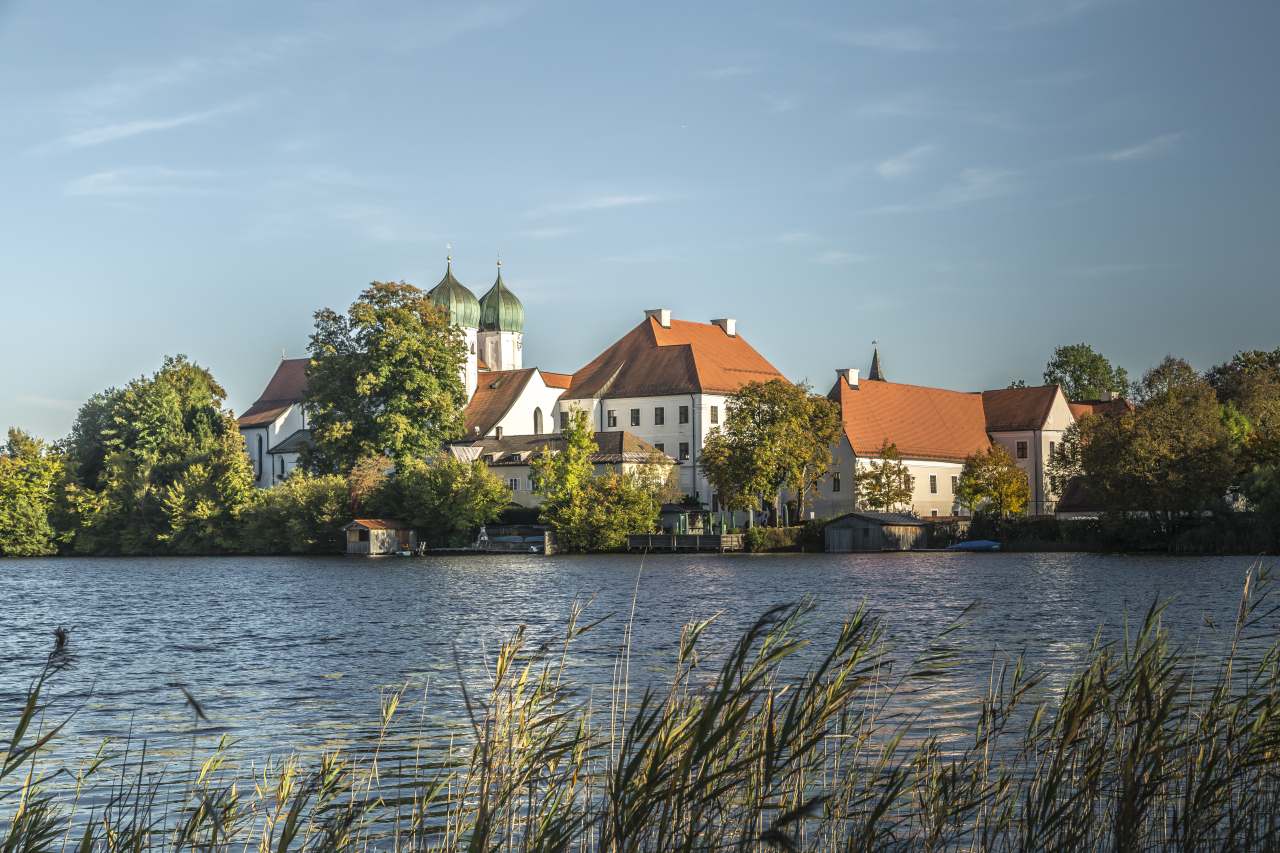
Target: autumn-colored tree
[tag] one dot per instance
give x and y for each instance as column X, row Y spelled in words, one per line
column 882, row 483
column 992, row 483
column 383, row 380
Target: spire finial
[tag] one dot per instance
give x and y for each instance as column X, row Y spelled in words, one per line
column 876, row 372
column 448, row 258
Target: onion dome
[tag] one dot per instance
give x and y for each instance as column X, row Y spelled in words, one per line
column 451, row 295
column 500, row 311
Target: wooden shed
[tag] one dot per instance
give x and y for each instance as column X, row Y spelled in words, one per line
column 875, row 531
column 375, row 536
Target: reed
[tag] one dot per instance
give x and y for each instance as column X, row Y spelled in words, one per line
column 1143, row 748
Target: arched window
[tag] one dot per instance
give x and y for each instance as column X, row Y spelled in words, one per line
column 258, row 470
column 537, row 421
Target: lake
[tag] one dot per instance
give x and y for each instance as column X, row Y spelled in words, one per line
column 293, row 653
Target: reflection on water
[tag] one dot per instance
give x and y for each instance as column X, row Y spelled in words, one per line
column 294, row 653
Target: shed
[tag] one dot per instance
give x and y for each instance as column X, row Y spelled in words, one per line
column 681, row 518
column 875, row 531
column 374, row 536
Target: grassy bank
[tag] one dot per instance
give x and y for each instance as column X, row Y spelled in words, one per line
column 1141, row 748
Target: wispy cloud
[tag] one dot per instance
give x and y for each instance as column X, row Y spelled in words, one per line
column 839, row 257
column 797, row 237
column 551, row 232
column 1024, row 14
column 1151, row 148
column 593, row 203
column 728, row 72
column 54, row 403
column 896, row 40
column 380, row 224
column 969, row 187
column 645, row 256
column 145, row 180
column 128, row 129
column 901, row 165
column 923, row 105
column 779, row 103
column 1112, row 270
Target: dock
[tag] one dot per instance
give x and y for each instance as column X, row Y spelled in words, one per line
column 675, row 542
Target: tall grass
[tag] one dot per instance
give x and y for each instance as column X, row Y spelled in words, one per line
column 1141, row 749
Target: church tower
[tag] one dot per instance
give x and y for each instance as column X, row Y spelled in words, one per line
column 464, row 312
column 501, row 336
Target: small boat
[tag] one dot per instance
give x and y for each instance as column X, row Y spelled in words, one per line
column 975, row 545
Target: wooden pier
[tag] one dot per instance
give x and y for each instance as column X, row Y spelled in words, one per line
column 685, row 542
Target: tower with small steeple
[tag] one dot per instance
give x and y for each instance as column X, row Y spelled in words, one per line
column 501, row 336
column 464, row 312
column 875, row 373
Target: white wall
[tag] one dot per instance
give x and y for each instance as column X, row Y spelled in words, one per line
column 471, row 370
column 828, row 503
column 268, row 474
column 502, row 350
column 536, row 395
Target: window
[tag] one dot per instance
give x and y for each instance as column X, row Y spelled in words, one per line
column 715, row 414
column 933, row 484
column 659, row 416
column 364, row 536
column 660, row 447
column 564, row 421
column 684, row 451
column 955, row 484
column 835, row 482
column 258, row 472
column 684, row 414
column 537, row 421
column 1022, row 449
column 514, row 484
column 933, row 513
column 611, row 418
column 1052, row 445
column 635, row 417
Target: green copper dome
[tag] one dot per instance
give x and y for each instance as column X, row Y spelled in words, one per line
column 451, row 295
column 500, row 311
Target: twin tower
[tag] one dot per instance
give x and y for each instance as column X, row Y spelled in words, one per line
column 493, row 324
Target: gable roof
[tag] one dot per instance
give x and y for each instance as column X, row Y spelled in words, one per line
column 925, row 423
column 295, row 443
column 495, row 394
column 612, row 446
column 653, row 360
column 288, row 386
column 890, row 519
column 1011, row 409
column 556, row 380
column 376, row 524
column 1118, row 406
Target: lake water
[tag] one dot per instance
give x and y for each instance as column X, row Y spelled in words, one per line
column 293, row 653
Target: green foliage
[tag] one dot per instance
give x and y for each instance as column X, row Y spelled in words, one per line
column 384, row 380
column 303, row 514
column 1084, row 373
column 171, row 471
column 883, row 484
column 991, row 482
column 444, row 499
column 1232, row 381
column 589, row 512
column 775, row 436
column 30, row 473
column 763, row 540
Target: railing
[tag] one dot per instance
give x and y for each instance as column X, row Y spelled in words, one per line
column 684, row 542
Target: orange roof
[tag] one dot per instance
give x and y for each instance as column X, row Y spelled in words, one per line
column 652, row 360
column 924, row 423
column 1010, row 409
column 556, row 380
column 376, row 524
column 496, row 393
column 1118, row 406
column 287, row 386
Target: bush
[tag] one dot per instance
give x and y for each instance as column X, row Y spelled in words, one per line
column 304, row 514
column 761, row 540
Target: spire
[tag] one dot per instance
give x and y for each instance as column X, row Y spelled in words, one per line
column 875, row 373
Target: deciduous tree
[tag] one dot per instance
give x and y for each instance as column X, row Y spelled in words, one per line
column 991, row 482
column 302, row 514
column 883, row 484
column 444, row 499
column 1084, row 373
column 30, row 473
column 384, row 380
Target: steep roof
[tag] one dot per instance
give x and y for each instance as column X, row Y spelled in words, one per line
column 653, row 360
column 496, row 393
column 500, row 310
column 1013, row 409
column 454, row 297
column 556, row 380
column 295, row 443
column 288, row 386
column 1118, row 406
column 612, row 447
column 924, row 423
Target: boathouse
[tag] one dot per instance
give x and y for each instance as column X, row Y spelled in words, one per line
column 376, row 536
column 875, row 531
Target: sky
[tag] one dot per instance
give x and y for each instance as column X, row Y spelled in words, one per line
column 968, row 183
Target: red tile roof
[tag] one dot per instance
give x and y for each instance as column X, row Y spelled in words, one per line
column 556, row 380
column 1012, row 409
column 931, row 424
column 652, row 360
column 287, row 386
column 495, row 394
column 376, row 524
column 1080, row 408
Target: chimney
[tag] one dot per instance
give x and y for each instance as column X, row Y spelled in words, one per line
column 662, row 315
column 729, row 325
column 850, row 375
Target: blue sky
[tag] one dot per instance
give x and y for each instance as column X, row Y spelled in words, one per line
column 970, row 184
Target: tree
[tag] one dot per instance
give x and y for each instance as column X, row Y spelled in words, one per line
column 1084, row 373
column 30, row 472
column 1172, row 376
column 445, row 499
column 589, row 512
column 303, row 514
column 883, row 483
column 384, row 380
column 1232, row 379
column 775, row 436
column 173, row 472
column 991, row 482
